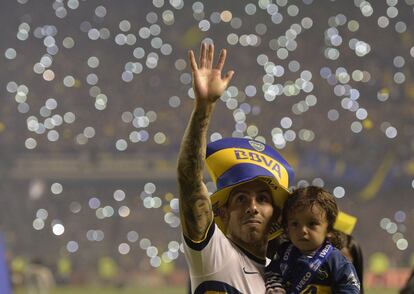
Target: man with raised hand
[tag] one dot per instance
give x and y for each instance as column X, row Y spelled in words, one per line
column 226, row 234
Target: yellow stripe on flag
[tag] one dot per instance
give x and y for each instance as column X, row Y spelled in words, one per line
column 378, row 178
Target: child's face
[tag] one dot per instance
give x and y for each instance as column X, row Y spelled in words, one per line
column 307, row 228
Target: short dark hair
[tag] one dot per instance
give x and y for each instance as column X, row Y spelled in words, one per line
column 308, row 197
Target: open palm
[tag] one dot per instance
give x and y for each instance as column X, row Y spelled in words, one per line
column 207, row 81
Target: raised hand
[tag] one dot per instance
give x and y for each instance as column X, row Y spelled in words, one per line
column 196, row 212
column 208, row 84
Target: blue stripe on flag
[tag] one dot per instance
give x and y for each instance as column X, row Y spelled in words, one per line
column 5, row 287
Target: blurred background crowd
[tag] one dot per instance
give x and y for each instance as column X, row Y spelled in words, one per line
column 95, row 96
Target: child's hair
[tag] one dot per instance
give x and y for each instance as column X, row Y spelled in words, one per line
column 308, row 197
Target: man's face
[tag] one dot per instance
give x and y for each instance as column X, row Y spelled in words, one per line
column 307, row 228
column 249, row 213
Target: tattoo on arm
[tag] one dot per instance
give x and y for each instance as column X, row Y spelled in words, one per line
column 195, row 206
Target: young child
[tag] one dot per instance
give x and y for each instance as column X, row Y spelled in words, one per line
column 308, row 262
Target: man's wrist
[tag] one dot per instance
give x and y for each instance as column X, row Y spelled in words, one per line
column 206, row 106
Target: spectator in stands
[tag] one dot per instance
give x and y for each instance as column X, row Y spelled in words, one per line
column 353, row 251
column 39, row 278
column 409, row 286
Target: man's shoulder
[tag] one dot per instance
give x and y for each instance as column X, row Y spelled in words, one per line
column 221, row 266
column 214, row 240
column 201, row 244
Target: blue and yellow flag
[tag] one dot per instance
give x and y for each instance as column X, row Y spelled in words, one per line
column 5, row 287
column 377, row 180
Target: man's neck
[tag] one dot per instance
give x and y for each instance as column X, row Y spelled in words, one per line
column 257, row 249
